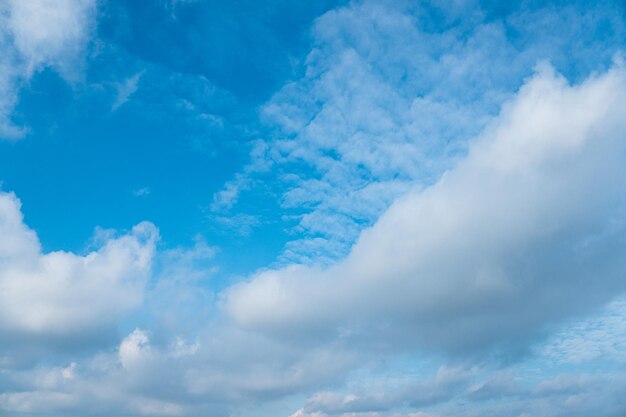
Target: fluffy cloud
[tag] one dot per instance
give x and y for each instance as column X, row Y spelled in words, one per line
column 133, row 347
column 37, row 34
column 527, row 229
column 61, row 293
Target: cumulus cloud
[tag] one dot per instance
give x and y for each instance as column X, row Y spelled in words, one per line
column 133, row 347
column 62, row 293
column 38, row 34
column 527, row 229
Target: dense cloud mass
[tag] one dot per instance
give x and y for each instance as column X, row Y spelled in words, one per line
column 448, row 180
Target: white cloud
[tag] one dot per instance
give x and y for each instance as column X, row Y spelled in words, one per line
column 133, row 347
column 370, row 118
column 524, row 196
column 441, row 388
column 601, row 336
column 527, row 229
column 225, row 367
column 142, row 192
column 64, row 293
column 226, row 198
column 124, row 91
column 35, row 401
column 50, row 33
column 36, row 34
column 509, row 396
column 152, row 407
column 180, row 297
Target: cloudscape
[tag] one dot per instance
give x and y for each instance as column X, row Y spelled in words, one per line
column 331, row 208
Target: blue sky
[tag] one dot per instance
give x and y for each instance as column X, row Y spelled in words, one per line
column 312, row 209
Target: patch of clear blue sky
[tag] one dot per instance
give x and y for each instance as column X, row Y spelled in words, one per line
column 205, row 68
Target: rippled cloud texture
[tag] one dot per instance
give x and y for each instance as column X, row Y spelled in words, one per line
column 415, row 209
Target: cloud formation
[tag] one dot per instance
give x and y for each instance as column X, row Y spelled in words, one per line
column 453, row 208
column 64, row 294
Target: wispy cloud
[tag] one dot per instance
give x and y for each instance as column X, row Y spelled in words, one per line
column 142, row 192
column 125, row 90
